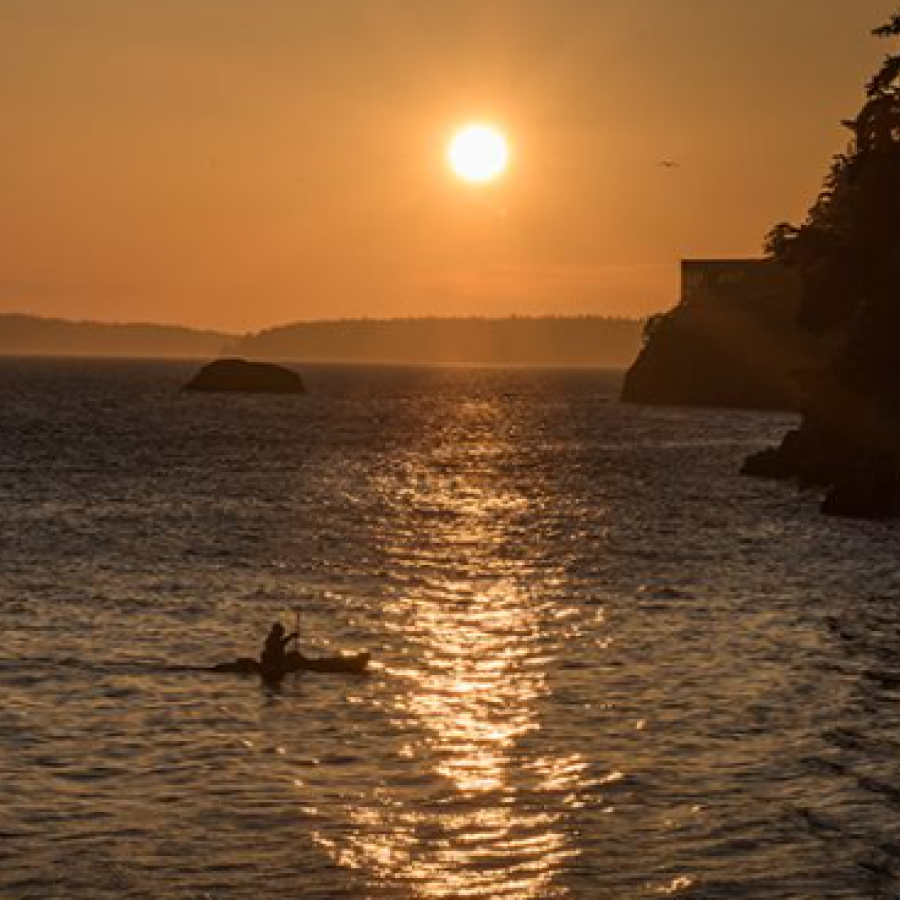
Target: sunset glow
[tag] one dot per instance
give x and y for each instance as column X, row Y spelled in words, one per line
column 249, row 165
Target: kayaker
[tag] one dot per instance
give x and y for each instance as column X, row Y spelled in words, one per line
column 273, row 655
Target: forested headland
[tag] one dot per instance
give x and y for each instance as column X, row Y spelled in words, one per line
column 847, row 254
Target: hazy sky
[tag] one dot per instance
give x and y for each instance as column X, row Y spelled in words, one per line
column 241, row 163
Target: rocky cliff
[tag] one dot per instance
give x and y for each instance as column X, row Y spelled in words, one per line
column 733, row 340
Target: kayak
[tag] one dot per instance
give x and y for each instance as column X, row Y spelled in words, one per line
column 295, row 662
column 356, row 663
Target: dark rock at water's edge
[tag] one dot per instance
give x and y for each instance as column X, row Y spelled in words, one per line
column 863, row 488
column 732, row 341
column 863, row 495
column 240, row 376
column 849, row 446
column 775, row 462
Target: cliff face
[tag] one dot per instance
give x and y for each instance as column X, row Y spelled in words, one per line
column 733, row 340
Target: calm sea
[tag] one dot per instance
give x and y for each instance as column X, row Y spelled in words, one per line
column 605, row 666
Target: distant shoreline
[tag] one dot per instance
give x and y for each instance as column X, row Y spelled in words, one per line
column 318, row 363
column 542, row 342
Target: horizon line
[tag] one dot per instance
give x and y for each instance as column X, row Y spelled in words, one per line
column 118, row 323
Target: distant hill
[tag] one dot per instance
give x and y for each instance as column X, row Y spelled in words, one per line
column 588, row 341
column 23, row 335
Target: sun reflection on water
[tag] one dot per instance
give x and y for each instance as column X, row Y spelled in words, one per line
column 488, row 816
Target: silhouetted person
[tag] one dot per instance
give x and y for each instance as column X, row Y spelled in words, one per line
column 274, row 656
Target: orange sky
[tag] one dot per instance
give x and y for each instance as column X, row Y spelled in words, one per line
column 244, row 163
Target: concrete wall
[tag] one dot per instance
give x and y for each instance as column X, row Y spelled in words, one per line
column 739, row 282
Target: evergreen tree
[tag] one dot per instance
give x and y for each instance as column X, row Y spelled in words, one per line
column 848, row 255
column 852, row 230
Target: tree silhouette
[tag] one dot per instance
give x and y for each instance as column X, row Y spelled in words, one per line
column 848, row 255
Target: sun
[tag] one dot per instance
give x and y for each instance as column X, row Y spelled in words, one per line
column 478, row 153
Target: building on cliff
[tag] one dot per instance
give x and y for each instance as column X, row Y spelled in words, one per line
column 754, row 283
column 732, row 340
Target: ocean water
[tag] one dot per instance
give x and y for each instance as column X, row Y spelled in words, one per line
column 605, row 666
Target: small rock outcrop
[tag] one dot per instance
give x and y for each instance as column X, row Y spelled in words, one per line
column 241, row 376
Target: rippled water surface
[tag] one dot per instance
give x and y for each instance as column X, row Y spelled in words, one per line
column 604, row 665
